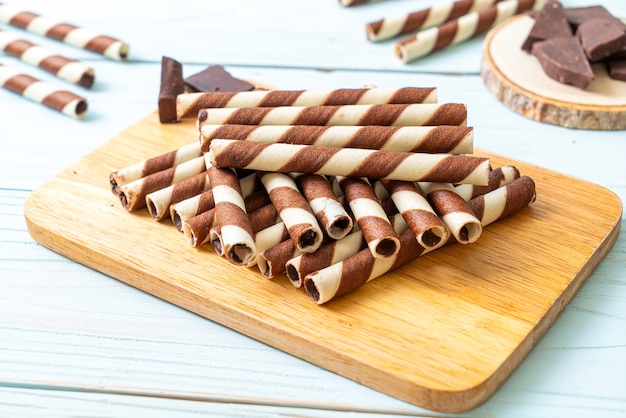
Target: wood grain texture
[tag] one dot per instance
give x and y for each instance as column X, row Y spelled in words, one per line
column 517, row 79
column 443, row 332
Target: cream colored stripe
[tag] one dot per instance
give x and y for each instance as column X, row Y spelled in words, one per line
column 408, row 200
column 327, row 281
column 294, row 216
column 344, row 161
column 79, row 37
column 348, row 115
column 223, row 193
column 41, row 25
column 188, row 169
column 247, row 99
column 466, row 28
column 275, row 180
column 35, row 54
column 494, row 205
column 39, row 90
column 311, row 98
column 282, row 115
column 438, row 14
column 416, row 165
column 363, row 207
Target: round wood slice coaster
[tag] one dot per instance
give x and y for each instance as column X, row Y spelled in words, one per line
column 517, row 79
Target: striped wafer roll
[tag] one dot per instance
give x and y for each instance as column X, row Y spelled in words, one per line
column 263, row 217
column 460, row 29
column 42, row 92
column 133, row 195
column 64, row 32
column 504, row 200
column 152, row 165
column 420, row 114
column 188, row 105
column 429, row 230
column 428, row 139
column 392, row 26
column 196, row 229
column 453, row 210
column 328, row 210
column 159, row 202
column 267, row 239
column 378, row 232
column 349, row 162
column 66, row 69
column 294, row 210
column 333, row 252
column 343, row 277
column 272, row 261
column 237, row 239
column 499, row 176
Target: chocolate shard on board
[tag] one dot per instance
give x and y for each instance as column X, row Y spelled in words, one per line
column 564, row 60
column 600, row 38
column 216, row 78
column 550, row 22
column 617, row 69
column 171, row 86
column 577, row 15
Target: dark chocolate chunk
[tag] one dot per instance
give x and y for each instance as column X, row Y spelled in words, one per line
column 617, row 69
column 600, row 38
column 216, row 78
column 577, row 15
column 550, row 22
column 564, row 60
column 171, row 86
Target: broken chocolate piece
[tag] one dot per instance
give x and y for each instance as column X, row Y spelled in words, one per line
column 617, row 69
column 564, row 60
column 600, row 38
column 216, row 78
column 550, row 22
column 577, row 15
column 171, row 86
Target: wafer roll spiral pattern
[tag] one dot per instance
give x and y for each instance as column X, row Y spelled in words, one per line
column 427, row 227
column 42, row 92
column 422, row 114
column 188, row 105
column 378, row 232
column 152, row 165
column 274, row 247
column 66, row 69
column 392, row 26
column 427, row 139
column 459, row 30
column 159, row 202
column 64, row 32
column 196, row 229
column 499, row 176
column 347, row 275
column 328, row 210
column 349, row 162
column 237, row 239
column 294, row 210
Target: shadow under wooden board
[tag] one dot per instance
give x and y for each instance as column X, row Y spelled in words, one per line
column 443, row 332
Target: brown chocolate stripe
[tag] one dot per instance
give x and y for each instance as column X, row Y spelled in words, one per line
column 100, row 43
column 410, row 95
column 247, row 115
column 59, row 99
column 263, row 217
column 446, row 201
column 279, row 98
column 201, row 224
column 315, row 115
column 301, row 161
column 322, row 257
column 446, row 34
column 278, row 255
column 188, row 188
column 19, row 83
column 415, row 21
column 496, row 178
column 303, row 135
column 17, row 47
column 23, row 19
column 442, row 139
column 372, row 137
column 448, row 114
column 156, row 164
column 382, row 114
column 315, row 186
column 486, row 19
column 60, row 31
column 519, row 194
column 227, row 213
column 380, row 162
column 343, row 97
column 286, row 198
column 453, row 169
column 356, row 188
column 355, row 271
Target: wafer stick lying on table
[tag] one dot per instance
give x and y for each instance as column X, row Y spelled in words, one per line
column 343, row 277
column 159, row 201
column 189, row 104
column 64, row 32
column 460, row 29
column 392, row 26
column 421, row 114
column 349, row 162
column 42, row 92
column 64, row 68
column 428, row 139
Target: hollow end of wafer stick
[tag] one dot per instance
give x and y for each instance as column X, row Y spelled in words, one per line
column 433, row 237
column 468, row 233
column 80, row 109
column 386, row 247
column 240, row 254
column 87, row 78
column 339, row 227
column 293, row 275
column 308, row 241
column 311, row 290
column 156, row 213
column 189, row 234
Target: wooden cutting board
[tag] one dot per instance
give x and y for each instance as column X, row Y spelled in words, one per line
column 443, row 332
column 517, row 79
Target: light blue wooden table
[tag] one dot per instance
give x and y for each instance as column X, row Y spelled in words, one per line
column 74, row 342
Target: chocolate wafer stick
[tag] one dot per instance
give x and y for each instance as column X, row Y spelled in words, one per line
column 231, row 217
column 392, row 26
column 159, row 201
column 343, row 277
column 189, row 104
column 133, row 195
column 499, row 176
column 453, row 210
column 271, row 262
column 429, row 229
column 152, row 165
column 380, row 236
column 42, row 92
column 421, row 114
column 64, row 68
column 349, row 162
column 196, row 229
column 460, row 29
column 294, row 210
column 64, row 32
column 328, row 210
column 428, row 139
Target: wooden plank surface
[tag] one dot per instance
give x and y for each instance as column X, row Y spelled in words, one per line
column 442, row 333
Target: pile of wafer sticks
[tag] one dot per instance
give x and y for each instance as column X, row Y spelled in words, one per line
column 64, row 68
column 332, row 188
column 443, row 25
